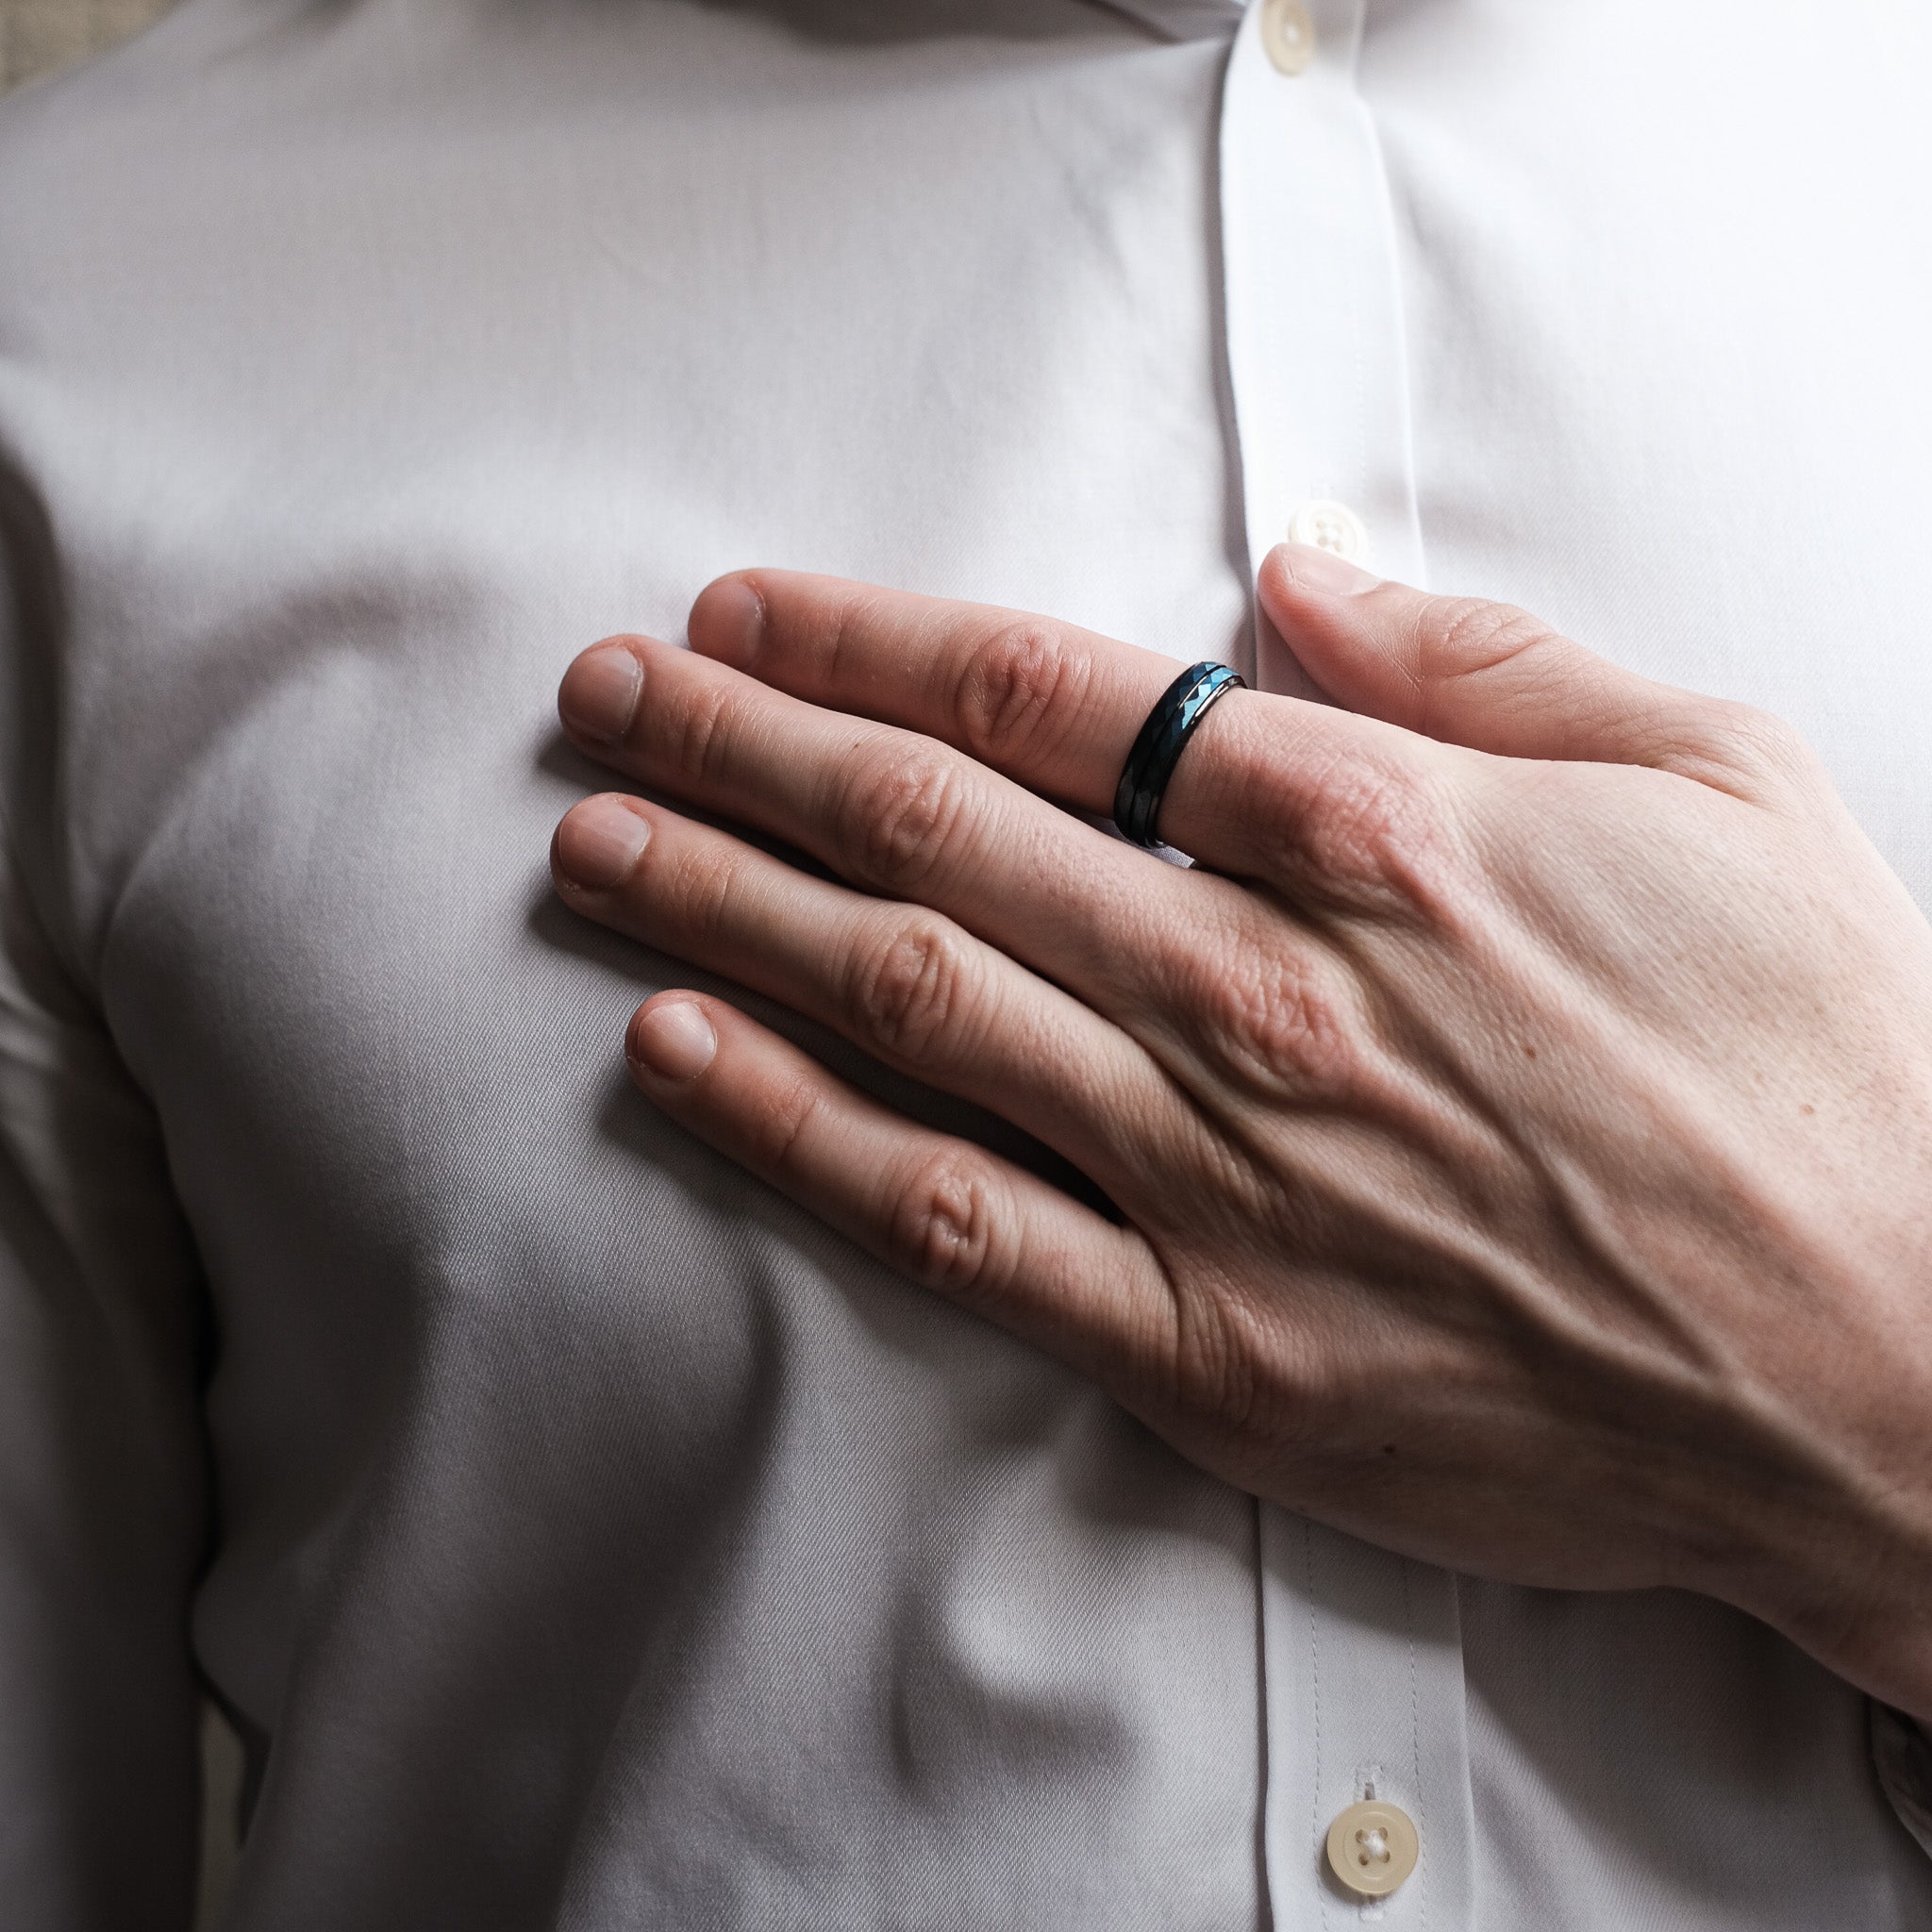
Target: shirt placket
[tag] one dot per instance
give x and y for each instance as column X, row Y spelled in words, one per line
column 1361, row 1650
column 1315, row 350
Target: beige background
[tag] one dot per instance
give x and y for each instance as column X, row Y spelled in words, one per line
column 35, row 38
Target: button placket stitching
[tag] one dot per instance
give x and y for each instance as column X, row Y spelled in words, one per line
column 1415, row 1747
column 1303, row 182
column 1315, row 1684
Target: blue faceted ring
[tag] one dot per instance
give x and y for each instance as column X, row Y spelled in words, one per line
column 1150, row 765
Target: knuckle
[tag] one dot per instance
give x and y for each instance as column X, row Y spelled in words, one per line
column 1019, row 690
column 705, row 890
column 1759, row 740
column 900, row 809
column 841, row 619
column 1378, row 830
column 911, row 990
column 1460, row 636
column 1213, row 1361
column 778, row 1126
column 697, row 728
column 941, row 1229
column 1242, row 1373
column 1270, row 1012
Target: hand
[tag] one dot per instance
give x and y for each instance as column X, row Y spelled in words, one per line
column 1520, row 1117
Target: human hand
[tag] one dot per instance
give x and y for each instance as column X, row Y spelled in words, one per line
column 1521, row 1116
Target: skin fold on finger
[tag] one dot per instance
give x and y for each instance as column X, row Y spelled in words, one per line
column 963, row 1222
column 906, row 985
column 896, row 813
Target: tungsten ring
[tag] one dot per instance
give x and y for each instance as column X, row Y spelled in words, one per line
column 1156, row 751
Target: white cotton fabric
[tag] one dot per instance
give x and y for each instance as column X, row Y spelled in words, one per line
column 579, row 1535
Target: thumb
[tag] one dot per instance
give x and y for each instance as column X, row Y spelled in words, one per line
column 1492, row 677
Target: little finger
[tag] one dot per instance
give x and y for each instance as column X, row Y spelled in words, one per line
column 986, row 1234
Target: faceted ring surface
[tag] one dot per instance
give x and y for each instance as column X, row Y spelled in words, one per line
column 1150, row 764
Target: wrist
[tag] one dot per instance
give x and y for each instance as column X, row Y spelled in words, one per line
column 1841, row 1564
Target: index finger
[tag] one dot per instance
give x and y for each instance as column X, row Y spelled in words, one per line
column 1051, row 704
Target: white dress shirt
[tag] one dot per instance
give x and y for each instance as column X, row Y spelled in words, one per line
column 579, row 1535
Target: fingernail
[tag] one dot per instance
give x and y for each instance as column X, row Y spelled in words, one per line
column 599, row 693
column 727, row 623
column 1326, row 574
column 675, row 1041
column 597, row 845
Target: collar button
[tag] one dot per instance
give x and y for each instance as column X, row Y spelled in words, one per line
column 1288, row 32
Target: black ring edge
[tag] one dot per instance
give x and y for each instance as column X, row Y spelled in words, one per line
column 1158, row 748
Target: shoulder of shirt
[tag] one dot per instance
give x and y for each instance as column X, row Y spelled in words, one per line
column 85, row 151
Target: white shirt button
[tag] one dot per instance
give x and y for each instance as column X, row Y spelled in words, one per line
column 1372, row 1847
column 1330, row 526
column 1288, row 32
